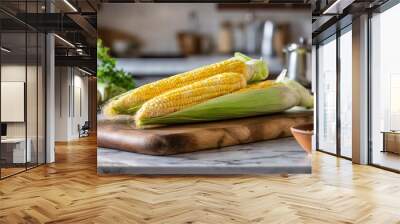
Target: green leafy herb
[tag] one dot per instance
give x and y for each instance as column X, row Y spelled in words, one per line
column 115, row 80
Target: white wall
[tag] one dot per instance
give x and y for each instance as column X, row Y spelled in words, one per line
column 12, row 73
column 147, row 21
column 62, row 81
column 80, row 109
column 69, row 82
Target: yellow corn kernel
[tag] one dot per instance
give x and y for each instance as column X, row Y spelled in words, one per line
column 259, row 85
column 129, row 103
column 198, row 92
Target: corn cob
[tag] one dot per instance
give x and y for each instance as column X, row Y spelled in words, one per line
column 259, row 98
column 187, row 96
column 254, row 101
column 258, row 85
column 129, row 103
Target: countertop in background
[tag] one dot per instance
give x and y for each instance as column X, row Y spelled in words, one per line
column 172, row 66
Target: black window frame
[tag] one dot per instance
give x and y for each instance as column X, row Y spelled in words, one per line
column 332, row 33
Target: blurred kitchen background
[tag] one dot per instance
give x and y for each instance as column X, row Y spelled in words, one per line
column 152, row 41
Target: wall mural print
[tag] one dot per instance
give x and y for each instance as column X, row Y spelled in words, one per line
column 202, row 92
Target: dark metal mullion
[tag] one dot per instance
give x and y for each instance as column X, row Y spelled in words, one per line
column 69, row 93
column 15, row 18
column 386, row 6
column 385, row 168
column 45, row 89
column 26, row 86
column 345, row 157
column 369, row 97
column 13, row 174
column 333, row 154
column 45, row 95
column 338, row 98
column 37, row 91
column 317, row 97
column 91, row 5
column 73, row 92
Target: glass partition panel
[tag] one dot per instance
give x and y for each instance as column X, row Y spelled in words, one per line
column 346, row 94
column 15, row 151
column 32, row 97
column 41, row 86
column 385, row 89
column 22, row 107
column 327, row 96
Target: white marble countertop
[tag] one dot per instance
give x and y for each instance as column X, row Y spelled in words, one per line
column 274, row 156
column 172, row 66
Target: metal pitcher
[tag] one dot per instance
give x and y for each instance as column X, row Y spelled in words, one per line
column 296, row 61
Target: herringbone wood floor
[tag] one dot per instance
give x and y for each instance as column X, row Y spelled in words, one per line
column 70, row 191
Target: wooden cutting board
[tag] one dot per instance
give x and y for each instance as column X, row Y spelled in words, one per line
column 201, row 136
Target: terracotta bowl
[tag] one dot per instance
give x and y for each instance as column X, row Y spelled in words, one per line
column 303, row 135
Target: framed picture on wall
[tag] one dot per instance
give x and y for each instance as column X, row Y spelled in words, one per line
column 12, row 101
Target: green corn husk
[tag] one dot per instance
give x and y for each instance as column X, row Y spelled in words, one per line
column 258, row 68
column 273, row 99
column 306, row 99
